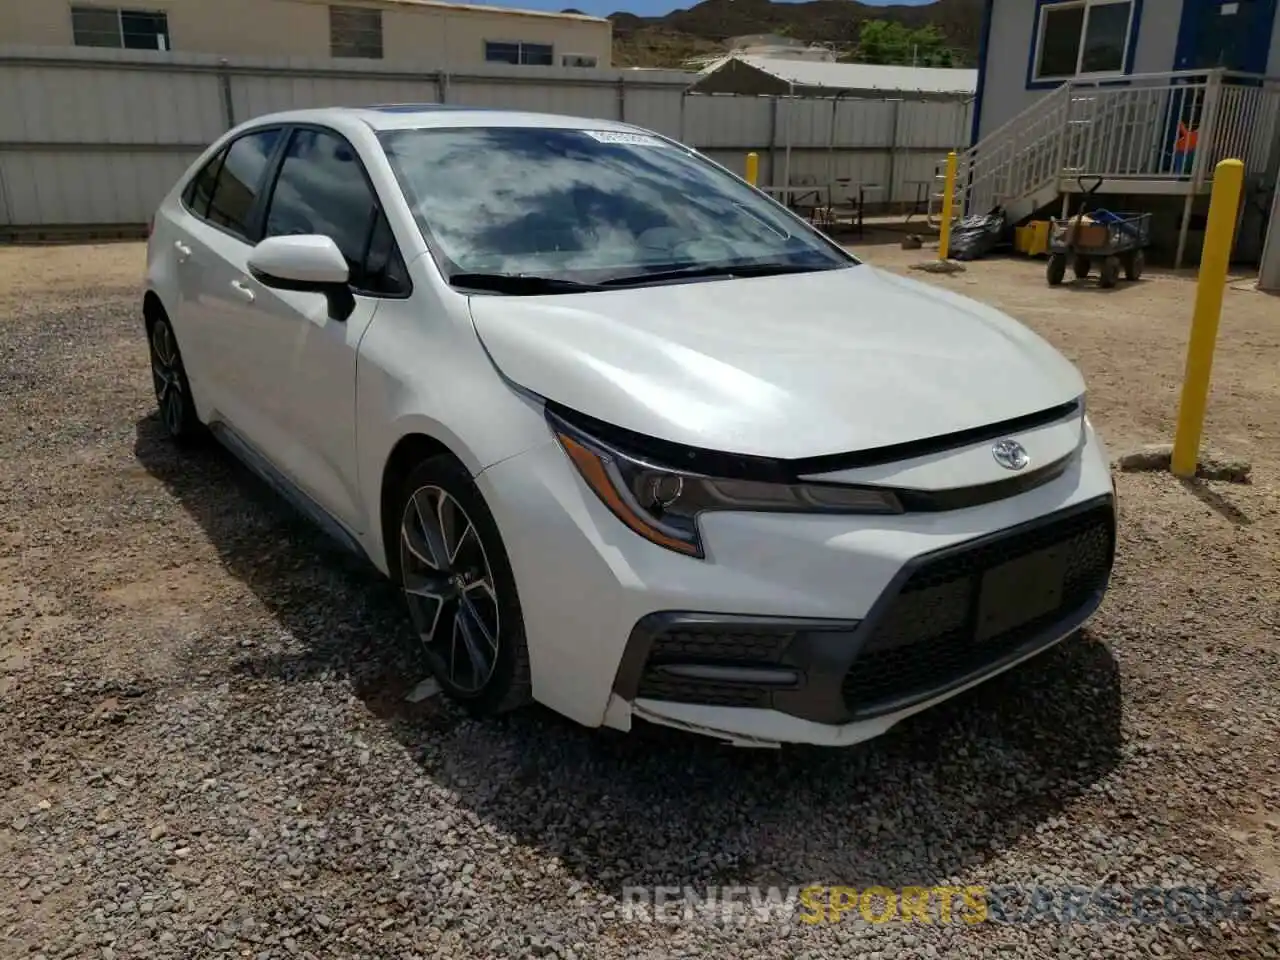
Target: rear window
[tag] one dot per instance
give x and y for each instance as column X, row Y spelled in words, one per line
column 240, row 180
column 200, row 191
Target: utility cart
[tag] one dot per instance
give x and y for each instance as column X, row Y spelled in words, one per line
column 1114, row 241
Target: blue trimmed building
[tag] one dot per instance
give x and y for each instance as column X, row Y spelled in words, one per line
column 1145, row 96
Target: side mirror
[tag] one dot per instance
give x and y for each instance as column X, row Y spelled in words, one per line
column 308, row 263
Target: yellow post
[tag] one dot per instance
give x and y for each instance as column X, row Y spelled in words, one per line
column 1219, row 232
column 948, row 200
column 753, row 168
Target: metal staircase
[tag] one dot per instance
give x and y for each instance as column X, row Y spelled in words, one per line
column 1126, row 133
column 1018, row 165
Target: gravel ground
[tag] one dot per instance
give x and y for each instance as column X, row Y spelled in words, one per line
column 208, row 750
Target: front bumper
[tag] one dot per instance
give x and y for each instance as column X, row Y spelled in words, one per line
column 944, row 622
column 812, row 629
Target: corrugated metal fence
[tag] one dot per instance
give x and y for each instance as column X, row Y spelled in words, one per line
column 93, row 138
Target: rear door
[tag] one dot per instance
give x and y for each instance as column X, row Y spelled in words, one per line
column 171, row 244
column 223, row 221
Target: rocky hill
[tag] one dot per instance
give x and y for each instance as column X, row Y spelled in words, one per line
column 702, row 29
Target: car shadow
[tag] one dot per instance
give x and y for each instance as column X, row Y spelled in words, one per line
column 937, row 794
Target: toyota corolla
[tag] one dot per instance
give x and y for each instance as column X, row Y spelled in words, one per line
column 633, row 439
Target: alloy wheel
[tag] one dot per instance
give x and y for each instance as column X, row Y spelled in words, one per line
column 166, row 372
column 449, row 586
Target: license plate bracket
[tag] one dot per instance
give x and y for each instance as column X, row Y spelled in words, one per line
column 1019, row 591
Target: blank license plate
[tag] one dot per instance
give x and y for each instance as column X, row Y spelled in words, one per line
column 1019, row 591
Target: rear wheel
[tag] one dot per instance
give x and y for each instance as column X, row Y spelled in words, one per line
column 449, row 560
column 1134, row 264
column 1081, row 265
column 1109, row 272
column 1055, row 269
column 173, row 391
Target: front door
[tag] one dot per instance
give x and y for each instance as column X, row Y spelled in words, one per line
column 1226, row 34
column 307, row 389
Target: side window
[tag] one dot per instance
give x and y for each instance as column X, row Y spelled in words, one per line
column 200, row 190
column 322, row 188
column 240, row 180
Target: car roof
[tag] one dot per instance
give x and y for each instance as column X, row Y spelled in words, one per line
column 404, row 116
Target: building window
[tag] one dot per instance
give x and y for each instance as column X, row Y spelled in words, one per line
column 578, row 60
column 1082, row 38
column 528, row 54
column 355, row 32
column 127, row 29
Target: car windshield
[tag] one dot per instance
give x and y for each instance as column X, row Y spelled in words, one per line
column 590, row 207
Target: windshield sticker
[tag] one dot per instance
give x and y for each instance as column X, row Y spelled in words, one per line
column 617, row 136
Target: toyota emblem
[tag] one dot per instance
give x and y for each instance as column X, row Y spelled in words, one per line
column 1010, row 454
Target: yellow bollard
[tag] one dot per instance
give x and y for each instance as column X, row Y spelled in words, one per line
column 948, row 200
column 1219, row 232
column 753, row 168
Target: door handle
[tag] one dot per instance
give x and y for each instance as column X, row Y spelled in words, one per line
column 245, row 293
column 183, row 250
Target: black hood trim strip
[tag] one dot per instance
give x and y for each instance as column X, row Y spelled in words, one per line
column 747, row 467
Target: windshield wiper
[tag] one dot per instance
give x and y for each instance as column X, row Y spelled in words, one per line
column 725, row 271
column 519, row 284
column 530, row 285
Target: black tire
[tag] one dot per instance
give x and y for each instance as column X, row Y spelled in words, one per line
column 1055, row 269
column 468, row 617
column 1109, row 272
column 176, row 405
column 1081, row 265
column 1133, row 265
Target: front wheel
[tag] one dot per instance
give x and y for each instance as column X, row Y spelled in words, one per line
column 449, row 560
column 1055, row 269
column 173, row 390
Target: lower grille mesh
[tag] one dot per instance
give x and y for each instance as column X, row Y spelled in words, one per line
column 927, row 637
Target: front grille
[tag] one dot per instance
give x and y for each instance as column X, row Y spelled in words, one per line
column 927, row 638
column 736, row 647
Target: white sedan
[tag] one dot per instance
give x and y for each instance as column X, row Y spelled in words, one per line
column 635, row 441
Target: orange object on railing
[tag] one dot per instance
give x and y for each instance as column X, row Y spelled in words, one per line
column 1187, row 139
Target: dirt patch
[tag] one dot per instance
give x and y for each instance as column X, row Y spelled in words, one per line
column 53, row 270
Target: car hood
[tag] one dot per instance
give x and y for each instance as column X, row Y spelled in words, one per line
column 789, row 366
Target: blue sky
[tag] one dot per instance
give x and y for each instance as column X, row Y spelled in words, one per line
column 644, row 8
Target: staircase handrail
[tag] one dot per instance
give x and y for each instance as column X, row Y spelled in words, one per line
column 1029, row 111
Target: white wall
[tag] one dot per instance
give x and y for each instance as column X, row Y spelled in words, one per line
column 97, row 137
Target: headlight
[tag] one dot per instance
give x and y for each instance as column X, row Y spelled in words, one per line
column 662, row 503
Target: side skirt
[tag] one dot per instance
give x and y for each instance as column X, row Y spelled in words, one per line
column 286, row 488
